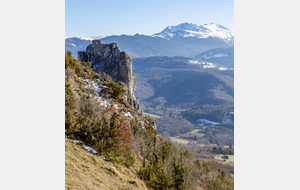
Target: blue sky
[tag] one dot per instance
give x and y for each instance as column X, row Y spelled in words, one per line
column 103, row 18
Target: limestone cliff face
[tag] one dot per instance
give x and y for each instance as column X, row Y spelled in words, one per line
column 109, row 59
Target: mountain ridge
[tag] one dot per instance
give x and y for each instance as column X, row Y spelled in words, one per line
column 185, row 42
column 193, row 30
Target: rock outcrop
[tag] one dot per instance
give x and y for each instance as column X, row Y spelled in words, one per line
column 109, row 59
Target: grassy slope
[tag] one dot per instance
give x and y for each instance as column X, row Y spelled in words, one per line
column 181, row 139
column 230, row 159
column 83, row 170
column 152, row 115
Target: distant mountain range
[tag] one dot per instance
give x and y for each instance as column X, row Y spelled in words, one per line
column 187, row 30
column 185, row 39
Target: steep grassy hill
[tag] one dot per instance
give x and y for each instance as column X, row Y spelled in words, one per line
column 86, row 171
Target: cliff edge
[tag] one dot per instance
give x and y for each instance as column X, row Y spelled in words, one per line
column 109, row 59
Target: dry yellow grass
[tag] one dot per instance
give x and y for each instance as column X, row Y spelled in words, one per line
column 230, row 159
column 83, row 170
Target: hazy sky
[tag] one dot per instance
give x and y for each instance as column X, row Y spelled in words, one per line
column 102, row 18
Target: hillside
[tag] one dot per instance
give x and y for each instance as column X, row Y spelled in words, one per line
column 174, row 62
column 101, row 115
column 83, row 170
column 223, row 56
column 182, row 81
column 184, row 88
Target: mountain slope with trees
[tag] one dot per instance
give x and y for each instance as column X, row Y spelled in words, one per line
column 97, row 117
column 184, row 88
column 223, row 56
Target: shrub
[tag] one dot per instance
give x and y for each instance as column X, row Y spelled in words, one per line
column 118, row 90
column 69, row 61
column 225, row 157
column 70, row 104
column 79, row 71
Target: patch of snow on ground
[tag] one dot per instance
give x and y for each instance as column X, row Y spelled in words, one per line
column 223, row 68
column 103, row 101
column 209, row 65
column 102, row 157
column 195, row 62
column 214, row 56
column 208, row 122
column 128, row 114
column 97, row 88
column 205, row 64
column 142, row 124
column 76, row 141
column 89, row 149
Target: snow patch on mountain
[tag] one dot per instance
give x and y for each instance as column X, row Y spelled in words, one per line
column 214, row 56
column 191, row 61
column 209, row 65
column 208, row 122
column 90, row 38
column 225, row 68
column 128, row 114
column 192, row 30
column 205, row 64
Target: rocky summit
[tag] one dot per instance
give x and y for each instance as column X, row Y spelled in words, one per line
column 109, row 59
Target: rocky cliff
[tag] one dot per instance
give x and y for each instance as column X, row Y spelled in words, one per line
column 109, row 59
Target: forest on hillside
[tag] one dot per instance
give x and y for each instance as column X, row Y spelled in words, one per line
column 102, row 120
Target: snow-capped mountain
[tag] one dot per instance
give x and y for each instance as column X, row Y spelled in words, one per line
column 182, row 40
column 193, row 30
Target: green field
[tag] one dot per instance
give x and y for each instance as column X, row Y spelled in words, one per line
column 193, row 133
column 230, row 159
column 188, row 137
column 181, row 140
column 152, row 115
column 212, row 145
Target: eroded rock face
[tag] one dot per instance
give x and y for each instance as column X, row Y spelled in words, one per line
column 110, row 60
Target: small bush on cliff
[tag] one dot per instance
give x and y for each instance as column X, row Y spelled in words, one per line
column 69, row 60
column 118, row 90
column 70, row 104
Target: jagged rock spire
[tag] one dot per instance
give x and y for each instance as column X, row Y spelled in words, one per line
column 109, row 59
